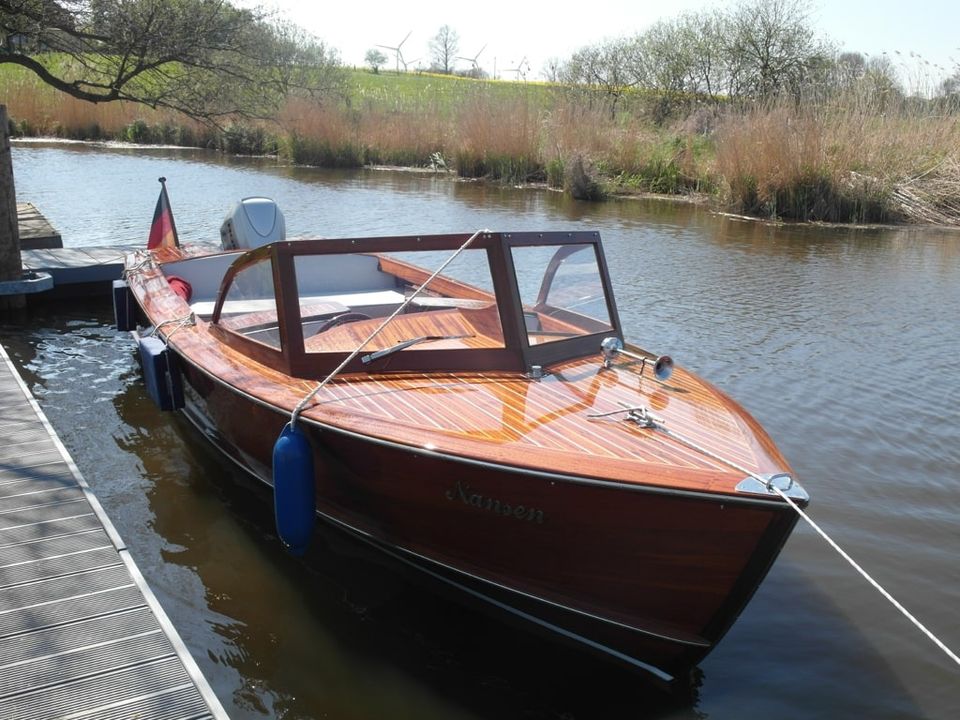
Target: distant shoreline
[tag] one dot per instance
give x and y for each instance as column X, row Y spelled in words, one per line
column 705, row 200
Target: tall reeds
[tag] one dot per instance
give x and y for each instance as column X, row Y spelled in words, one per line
column 848, row 159
column 498, row 137
column 864, row 155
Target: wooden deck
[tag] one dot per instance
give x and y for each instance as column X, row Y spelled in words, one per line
column 81, row 634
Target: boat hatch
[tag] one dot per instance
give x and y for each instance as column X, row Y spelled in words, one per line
column 508, row 302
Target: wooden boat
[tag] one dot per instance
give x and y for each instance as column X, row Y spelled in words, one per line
column 496, row 434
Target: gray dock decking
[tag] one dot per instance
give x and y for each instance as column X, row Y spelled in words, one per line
column 81, row 634
column 35, row 230
column 73, row 266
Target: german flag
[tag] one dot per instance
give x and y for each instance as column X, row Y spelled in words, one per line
column 163, row 231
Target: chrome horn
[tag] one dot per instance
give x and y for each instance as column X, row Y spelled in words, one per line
column 612, row 346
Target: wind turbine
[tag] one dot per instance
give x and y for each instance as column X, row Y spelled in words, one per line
column 398, row 52
column 473, row 61
column 521, row 73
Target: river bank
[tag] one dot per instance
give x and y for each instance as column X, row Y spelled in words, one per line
column 701, row 200
column 852, row 160
column 852, row 152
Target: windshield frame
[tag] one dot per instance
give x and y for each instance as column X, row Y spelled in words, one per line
column 516, row 355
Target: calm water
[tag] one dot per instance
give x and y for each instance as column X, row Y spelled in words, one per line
column 843, row 343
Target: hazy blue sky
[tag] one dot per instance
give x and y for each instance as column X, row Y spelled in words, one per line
column 515, row 29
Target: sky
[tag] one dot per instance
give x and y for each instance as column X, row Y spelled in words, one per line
column 507, row 32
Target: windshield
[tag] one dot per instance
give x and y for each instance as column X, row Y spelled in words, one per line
column 304, row 306
column 562, row 292
column 250, row 306
column 343, row 298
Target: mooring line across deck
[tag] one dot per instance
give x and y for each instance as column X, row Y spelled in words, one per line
column 81, row 633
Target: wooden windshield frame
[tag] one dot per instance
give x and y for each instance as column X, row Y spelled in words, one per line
column 517, row 355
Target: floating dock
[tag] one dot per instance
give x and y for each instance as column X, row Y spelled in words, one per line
column 82, row 636
column 91, row 269
column 36, row 232
column 75, row 271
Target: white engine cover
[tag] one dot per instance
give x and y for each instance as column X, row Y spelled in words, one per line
column 253, row 222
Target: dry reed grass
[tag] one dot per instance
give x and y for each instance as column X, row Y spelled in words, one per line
column 42, row 111
column 571, row 129
column 842, row 161
column 863, row 156
column 402, row 138
column 497, row 137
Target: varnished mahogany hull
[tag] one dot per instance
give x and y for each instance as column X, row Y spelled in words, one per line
column 649, row 576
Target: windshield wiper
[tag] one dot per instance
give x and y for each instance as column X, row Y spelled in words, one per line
column 404, row 344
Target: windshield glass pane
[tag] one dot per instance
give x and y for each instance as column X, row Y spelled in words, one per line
column 562, row 292
column 250, row 307
column 343, row 298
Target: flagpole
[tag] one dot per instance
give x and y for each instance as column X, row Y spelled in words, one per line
column 173, row 224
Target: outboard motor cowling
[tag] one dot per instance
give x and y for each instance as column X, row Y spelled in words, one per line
column 253, row 222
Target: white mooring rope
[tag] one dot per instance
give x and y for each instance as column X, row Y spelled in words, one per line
column 645, row 419
column 140, row 263
column 336, row 371
column 866, row 576
column 180, row 323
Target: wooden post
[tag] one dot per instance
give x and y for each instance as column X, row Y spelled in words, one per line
column 11, row 264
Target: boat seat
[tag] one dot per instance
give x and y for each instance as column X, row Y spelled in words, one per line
column 373, row 303
column 345, row 338
column 258, row 319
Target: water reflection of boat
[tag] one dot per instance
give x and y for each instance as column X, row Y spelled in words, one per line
column 495, row 434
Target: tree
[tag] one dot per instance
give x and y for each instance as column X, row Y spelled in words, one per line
column 10, row 263
column 880, row 83
column 552, row 70
column 203, row 58
column 702, row 35
column 613, row 66
column 851, row 66
column 665, row 57
column 375, row 59
column 443, row 49
column 773, row 43
column 950, row 87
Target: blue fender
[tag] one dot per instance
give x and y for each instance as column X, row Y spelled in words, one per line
column 294, row 494
column 161, row 374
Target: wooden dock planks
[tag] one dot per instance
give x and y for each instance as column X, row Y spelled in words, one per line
column 81, row 634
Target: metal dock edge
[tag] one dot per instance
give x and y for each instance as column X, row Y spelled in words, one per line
column 81, row 634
